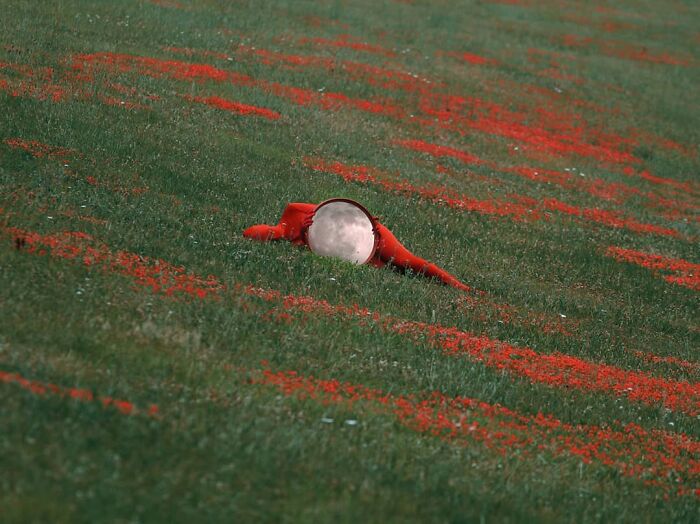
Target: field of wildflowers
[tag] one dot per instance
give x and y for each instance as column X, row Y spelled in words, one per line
column 157, row 366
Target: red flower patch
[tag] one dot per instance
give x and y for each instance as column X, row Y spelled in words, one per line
column 439, row 151
column 486, row 310
column 550, row 134
column 524, row 208
column 654, row 179
column 349, row 42
column 625, row 51
column 673, row 361
column 158, row 275
column 469, row 58
column 614, row 191
column 684, row 274
column 608, row 218
column 432, row 193
column 31, row 83
column 62, row 155
column 187, row 71
column 384, row 78
column 666, row 460
column 388, row 79
column 43, row 389
column 556, row 369
column 235, row 107
column 608, row 26
column 40, row 150
column 43, row 84
column 553, row 134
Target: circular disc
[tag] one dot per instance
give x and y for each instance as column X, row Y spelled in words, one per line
column 344, row 229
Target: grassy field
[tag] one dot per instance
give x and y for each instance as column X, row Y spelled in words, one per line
column 157, row 366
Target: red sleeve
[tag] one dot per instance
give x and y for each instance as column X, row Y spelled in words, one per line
column 264, row 232
column 289, row 226
column 390, row 250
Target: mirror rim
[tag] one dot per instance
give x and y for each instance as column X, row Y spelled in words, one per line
column 363, row 209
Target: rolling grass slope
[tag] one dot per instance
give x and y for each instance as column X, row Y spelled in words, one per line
column 155, row 365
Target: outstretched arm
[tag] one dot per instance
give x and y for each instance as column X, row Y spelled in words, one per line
column 264, row 232
column 290, row 226
column 390, row 250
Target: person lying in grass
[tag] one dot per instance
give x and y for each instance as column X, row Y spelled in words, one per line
column 298, row 217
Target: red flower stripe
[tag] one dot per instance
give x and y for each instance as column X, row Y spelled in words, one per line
column 670, row 461
column 399, row 80
column 435, row 194
column 469, row 58
column 349, row 42
column 480, row 305
column 30, row 87
column 625, row 51
column 43, row 389
column 609, row 26
column 62, row 155
column 40, row 150
column 385, row 78
column 377, row 76
column 525, row 208
column 444, row 111
column 655, row 359
column 566, row 138
column 235, row 107
column 654, row 179
column 85, row 218
column 550, row 134
column 554, row 369
column 684, row 273
column 608, row 218
column 158, row 275
column 439, row 151
column 486, row 309
column 39, row 84
column 412, row 83
column 191, row 71
column 596, row 187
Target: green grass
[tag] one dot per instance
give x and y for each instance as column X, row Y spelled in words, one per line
column 222, row 448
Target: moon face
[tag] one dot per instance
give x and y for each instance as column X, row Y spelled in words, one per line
column 343, row 230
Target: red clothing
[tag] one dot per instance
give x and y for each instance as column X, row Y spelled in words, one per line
column 297, row 217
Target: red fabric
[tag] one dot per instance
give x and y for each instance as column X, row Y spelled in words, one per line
column 297, row 217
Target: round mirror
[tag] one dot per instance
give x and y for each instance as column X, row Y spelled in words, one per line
column 344, row 229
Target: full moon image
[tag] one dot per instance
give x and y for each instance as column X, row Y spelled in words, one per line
column 342, row 230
